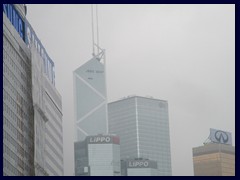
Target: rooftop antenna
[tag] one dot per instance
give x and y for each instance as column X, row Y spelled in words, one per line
column 95, row 23
column 97, row 27
column 93, row 44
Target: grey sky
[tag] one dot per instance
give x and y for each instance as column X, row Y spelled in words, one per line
column 181, row 53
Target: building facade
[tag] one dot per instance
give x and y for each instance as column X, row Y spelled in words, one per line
column 18, row 123
column 139, row 167
column 98, row 156
column 33, row 142
column 47, row 120
column 143, row 127
column 53, row 131
column 90, row 99
column 215, row 158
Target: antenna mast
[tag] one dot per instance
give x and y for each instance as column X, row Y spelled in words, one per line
column 97, row 27
column 101, row 55
column 93, row 53
column 95, row 23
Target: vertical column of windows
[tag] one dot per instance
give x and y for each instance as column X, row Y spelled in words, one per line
column 18, row 126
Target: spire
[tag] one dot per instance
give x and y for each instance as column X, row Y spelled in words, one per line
column 95, row 32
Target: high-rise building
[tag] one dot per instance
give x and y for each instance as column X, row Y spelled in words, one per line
column 143, row 127
column 215, row 158
column 138, row 167
column 47, row 106
column 18, row 124
column 98, row 156
column 33, row 142
column 90, row 99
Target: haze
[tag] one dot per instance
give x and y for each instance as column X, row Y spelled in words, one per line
column 184, row 54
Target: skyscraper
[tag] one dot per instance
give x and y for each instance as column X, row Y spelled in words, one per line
column 90, row 99
column 18, row 124
column 143, row 127
column 98, row 155
column 47, row 105
column 33, row 142
column 215, row 158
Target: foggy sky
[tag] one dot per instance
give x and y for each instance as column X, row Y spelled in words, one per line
column 184, row 54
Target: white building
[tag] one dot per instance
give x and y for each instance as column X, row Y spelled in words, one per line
column 90, row 99
column 33, row 136
column 98, row 156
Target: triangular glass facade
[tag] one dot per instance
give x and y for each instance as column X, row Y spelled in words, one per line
column 90, row 99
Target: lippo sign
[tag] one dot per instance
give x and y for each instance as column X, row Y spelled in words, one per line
column 103, row 140
column 141, row 164
column 138, row 164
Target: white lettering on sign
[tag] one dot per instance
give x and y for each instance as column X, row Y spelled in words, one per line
column 100, row 139
column 138, row 164
column 94, row 71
